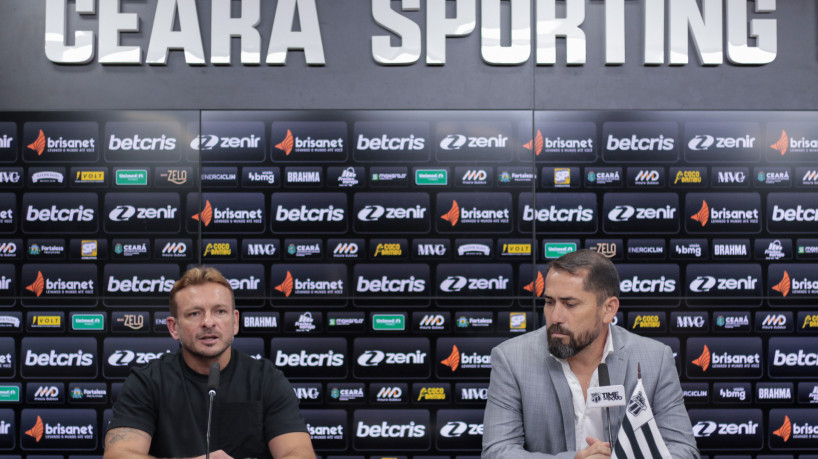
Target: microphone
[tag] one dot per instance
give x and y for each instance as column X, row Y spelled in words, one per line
column 604, row 380
column 606, row 396
column 212, row 386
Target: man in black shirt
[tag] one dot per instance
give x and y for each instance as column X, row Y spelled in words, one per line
column 162, row 409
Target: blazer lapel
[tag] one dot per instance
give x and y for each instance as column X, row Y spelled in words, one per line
column 564, row 399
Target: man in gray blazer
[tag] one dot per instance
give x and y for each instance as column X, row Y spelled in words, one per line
column 539, row 381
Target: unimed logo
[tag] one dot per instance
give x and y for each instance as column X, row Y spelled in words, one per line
column 724, row 357
column 58, row 429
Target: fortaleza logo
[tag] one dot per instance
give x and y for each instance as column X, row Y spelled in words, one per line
column 60, row 280
column 391, row 213
column 227, row 212
column 723, row 212
column 489, row 212
column 309, row 212
column 324, row 280
column 724, row 357
column 787, row 281
column 310, row 141
column 61, row 141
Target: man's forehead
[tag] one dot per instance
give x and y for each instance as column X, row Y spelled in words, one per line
column 559, row 279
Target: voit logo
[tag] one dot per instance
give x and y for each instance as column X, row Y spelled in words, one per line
column 227, row 212
column 58, row 429
column 323, row 280
column 310, row 141
column 61, row 141
column 310, row 358
column 392, row 213
column 724, row 357
column 723, row 212
column 734, row 429
column 468, row 212
column 792, row 357
column 641, row 213
column 797, row 430
column 309, row 212
column 42, row 281
column 558, row 212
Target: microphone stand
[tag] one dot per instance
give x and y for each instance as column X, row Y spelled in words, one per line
column 212, row 394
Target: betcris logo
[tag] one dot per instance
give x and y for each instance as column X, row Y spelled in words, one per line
column 460, row 430
column 722, row 213
column 792, row 357
column 474, row 213
column 228, row 141
column 718, row 142
column 474, row 141
column 733, row 429
column 404, row 213
column 558, row 141
column 640, row 213
column 408, row 283
column 59, row 213
column 142, row 213
column 328, row 429
column 792, row 213
column 226, row 213
column 551, row 213
column 645, row 142
column 396, row 358
column 309, row 212
column 59, row 429
column 390, row 141
column 310, row 141
column 126, row 284
column 474, row 280
column 464, row 358
column 792, row 281
column 119, row 355
column 59, row 358
column 792, row 142
column 64, row 142
column 8, row 213
column 657, row 283
column 719, row 284
column 143, row 142
column 42, row 284
column 391, row 430
column 795, row 429
column 310, row 358
column 725, row 358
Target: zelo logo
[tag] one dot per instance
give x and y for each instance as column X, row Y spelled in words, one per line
column 469, row 212
column 58, row 358
column 733, row 429
column 59, row 213
column 391, row 213
column 460, row 430
column 641, row 213
column 723, row 212
column 729, row 358
column 228, row 141
column 640, row 141
column 406, row 358
column 227, row 212
column 792, row 358
column 58, row 429
column 458, row 358
column 70, row 142
column 792, row 212
column 793, row 428
column 391, row 430
column 310, row 358
column 558, row 212
column 309, row 212
column 382, row 141
column 324, row 141
column 120, row 354
column 305, row 280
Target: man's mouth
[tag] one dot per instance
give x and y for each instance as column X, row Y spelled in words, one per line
column 209, row 339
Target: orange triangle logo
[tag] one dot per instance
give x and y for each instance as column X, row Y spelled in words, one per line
column 453, row 215
column 453, row 360
column 286, row 145
column 784, row 285
column 537, row 286
column 785, row 430
column 286, row 287
column 782, row 143
column 206, row 215
column 39, row 144
column 536, row 144
column 703, row 361
column 38, row 285
column 37, row 430
column 703, row 214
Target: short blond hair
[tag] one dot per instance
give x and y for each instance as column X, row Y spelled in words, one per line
column 198, row 276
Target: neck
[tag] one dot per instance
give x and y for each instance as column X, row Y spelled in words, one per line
column 201, row 364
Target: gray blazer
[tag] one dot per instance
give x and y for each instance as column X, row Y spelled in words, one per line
column 530, row 412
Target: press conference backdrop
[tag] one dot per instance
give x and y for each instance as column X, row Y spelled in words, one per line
column 378, row 256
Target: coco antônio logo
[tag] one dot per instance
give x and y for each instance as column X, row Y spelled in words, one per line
column 558, row 212
column 309, row 212
column 310, row 358
column 61, row 141
column 228, row 141
column 467, row 212
column 391, row 213
column 324, row 141
column 734, row 429
column 724, row 357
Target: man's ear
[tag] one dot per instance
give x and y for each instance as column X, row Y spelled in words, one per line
column 235, row 321
column 609, row 308
column 173, row 327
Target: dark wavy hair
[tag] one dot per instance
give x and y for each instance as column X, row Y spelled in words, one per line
column 601, row 277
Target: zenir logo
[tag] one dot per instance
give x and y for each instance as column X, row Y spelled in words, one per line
column 286, row 287
column 453, row 360
column 785, row 431
column 453, row 215
column 703, row 361
column 38, row 285
column 206, row 215
column 782, row 143
column 286, row 145
column 783, row 286
column 37, row 431
column 38, row 146
column 537, row 286
column 536, row 144
column 703, row 214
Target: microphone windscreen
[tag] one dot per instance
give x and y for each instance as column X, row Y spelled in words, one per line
column 213, row 377
column 604, row 378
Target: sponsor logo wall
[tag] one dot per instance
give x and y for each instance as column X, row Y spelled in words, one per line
column 378, row 256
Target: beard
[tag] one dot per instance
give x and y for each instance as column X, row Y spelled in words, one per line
column 574, row 345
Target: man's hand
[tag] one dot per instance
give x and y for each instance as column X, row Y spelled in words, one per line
column 596, row 449
column 220, row 454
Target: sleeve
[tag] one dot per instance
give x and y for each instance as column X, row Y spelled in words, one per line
column 670, row 413
column 503, row 430
column 135, row 406
column 281, row 413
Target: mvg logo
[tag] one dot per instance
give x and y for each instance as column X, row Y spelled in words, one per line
column 432, row 250
column 731, row 177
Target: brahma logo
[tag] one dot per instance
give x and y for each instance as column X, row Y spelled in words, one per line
column 782, row 143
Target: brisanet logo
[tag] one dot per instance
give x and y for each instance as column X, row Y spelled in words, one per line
column 328, row 429
column 8, row 213
column 646, row 142
column 723, row 213
column 228, row 141
column 58, row 358
column 69, row 142
column 226, row 212
column 142, row 213
column 792, row 357
column 792, row 281
column 391, row 213
column 401, row 358
column 557, row 213
column 58, row 213
column 558, row 141
column 464, row 358
column 58, row 282
column 144, row 142
column 794, row 429
column 715, row 284
column 59, row 429
column 310, row 358
column 391, row 430
column 733, row 429
column 474, row 141
column 389, row 141
column 119, row 355
column 792, row 142
column 640, row 213
column 293, row 281
column 720, row 142
column 792, row 212
column 310, row 141
column 727, row 358
column 309, row 212
column 473, row 213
